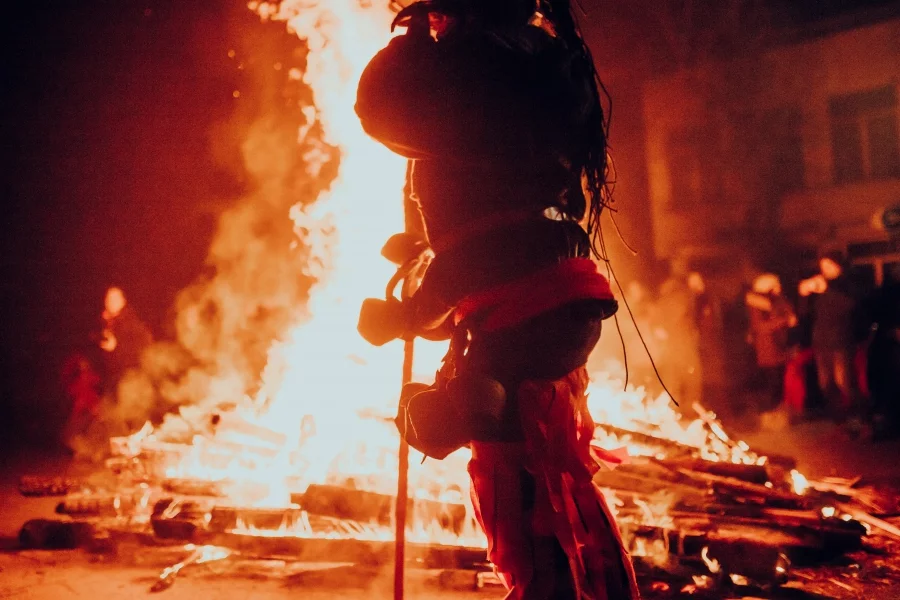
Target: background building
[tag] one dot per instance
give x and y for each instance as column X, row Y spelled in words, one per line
column 764, row 159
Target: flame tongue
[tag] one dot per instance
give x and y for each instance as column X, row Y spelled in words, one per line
column 323, row 371
column 322, row 412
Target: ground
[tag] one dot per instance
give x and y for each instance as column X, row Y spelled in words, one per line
column 51, row 575
column 46, row 575
column 821, row 449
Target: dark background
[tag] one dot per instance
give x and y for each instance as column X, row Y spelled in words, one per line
column 120, row 146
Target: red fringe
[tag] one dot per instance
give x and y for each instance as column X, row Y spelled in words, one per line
column 568, row 507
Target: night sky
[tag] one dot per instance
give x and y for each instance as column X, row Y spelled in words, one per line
column 120, row 141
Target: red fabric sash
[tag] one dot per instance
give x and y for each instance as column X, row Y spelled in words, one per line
column 515, row 302
column 568, row 508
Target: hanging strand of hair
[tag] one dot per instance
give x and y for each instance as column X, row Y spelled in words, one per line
column 592, row 162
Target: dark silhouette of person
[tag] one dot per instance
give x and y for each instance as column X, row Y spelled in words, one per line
column 499, row 108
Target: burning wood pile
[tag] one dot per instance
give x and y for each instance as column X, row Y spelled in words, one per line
column 694, row 520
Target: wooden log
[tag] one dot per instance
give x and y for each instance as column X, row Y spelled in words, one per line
column 754, row 516
column 634, row 480
column 883, row 526
column 748, row 548
column 804, row 544
column 35, row 486
column 56, row 534
column 761, row 563
column 93, row 505
column 698, row 526
column 195, row 487
column 649, row 476
column 365, row 507
column 155, row 455
column 875, row 502
column 308, row 549
column 754, row 552
column 736, row 550
column 448, row 557
column 291, row 521
column 694, row 489
column 228, row 518
column 671, row 448
column 775, row 517
column 751, row 551
column 184, row 520
column 318, row 501
column 757, row 474
column 770, row 496
column 808, row 541
column 317, row 549
column 232, row 424
column 695, row 548
column 344, row 503
column 637, row 484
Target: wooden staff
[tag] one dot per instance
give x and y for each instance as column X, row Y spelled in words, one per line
column 402, row 488
column 413, row 223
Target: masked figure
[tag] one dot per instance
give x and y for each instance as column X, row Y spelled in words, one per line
column 498, row 108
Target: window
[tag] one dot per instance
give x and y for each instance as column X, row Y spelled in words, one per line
column 787, row 168
column 846, row 139
column 864, row 135
column 884, row 150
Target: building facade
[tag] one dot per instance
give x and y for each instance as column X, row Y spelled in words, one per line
column 779, row 155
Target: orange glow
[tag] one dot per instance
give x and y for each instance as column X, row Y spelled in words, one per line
column 799, row 481
column 323, row 412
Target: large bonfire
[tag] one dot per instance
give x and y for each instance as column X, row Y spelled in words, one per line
column 322, row 411
column 303, row 452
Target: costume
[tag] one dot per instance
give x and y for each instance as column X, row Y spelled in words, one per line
column 492, row 120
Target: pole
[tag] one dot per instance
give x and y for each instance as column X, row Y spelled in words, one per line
column 402, row 489
column 412, row 224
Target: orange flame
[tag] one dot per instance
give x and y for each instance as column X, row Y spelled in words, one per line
column 322, row 414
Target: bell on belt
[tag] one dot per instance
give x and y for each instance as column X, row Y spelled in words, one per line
column 439, row 420
column 429, row 422
column 381, row 321
column 481, row 400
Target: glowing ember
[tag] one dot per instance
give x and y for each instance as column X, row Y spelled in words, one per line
column 711, row 563
column 800, row 483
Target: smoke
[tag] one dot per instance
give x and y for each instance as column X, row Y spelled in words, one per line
column 257, row 290
column 257, row 273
